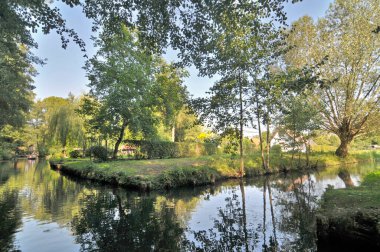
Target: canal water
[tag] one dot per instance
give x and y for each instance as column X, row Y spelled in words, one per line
column 42, row 210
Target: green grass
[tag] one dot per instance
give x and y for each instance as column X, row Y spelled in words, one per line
column 351, row 216
column 149, row 174
column 168, row 173
column 365, row 196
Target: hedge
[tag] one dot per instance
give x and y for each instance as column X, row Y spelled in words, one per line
column 165, row 149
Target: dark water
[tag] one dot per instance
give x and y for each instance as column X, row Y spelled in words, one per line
column 41, row 210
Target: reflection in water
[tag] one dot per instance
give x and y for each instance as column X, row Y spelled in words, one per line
column 117, row 221
column 229, row 232
column 10, row 219
column 40, row 210
column 298, row 215
column 344, row 174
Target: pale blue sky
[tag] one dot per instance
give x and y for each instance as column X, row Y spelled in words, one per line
column 63, row 72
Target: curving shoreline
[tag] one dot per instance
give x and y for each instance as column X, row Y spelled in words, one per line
column 157, row 177
column 156, row 174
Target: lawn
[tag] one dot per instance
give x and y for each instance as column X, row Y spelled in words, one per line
column 168, row 173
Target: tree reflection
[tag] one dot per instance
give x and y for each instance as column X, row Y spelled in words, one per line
column 10, row 219
column 298, row 214
column 273, row 244
column 230, row 231
column 344, row 175
column 113, row 221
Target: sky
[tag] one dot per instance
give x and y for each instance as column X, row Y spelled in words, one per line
column 63, row 72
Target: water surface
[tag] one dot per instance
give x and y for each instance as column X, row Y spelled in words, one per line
column 42, row 210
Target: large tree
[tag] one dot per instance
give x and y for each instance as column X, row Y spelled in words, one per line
column 121, row 79
column 349, row 102
column 18, row 20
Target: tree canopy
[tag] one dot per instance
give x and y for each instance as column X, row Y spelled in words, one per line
column 349, row 101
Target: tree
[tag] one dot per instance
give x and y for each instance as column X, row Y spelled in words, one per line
column 121, row 78
column 350, row 100
column 18, row 20
column 169, row 92
column 243, row 44
column 225, row 110
column 187, row 25
column 300, row 119
column 16, row 87
column 65, row 126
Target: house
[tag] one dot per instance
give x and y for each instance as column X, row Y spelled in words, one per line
column 288, row 143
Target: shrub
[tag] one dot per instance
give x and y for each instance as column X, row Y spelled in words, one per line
column 5, row 154
column 164, row 149
column 43, row 151
column 98, row 152
column 276, row 149
column 75, row 154
column 210, row 148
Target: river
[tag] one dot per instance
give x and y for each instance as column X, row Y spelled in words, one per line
column 42, row 210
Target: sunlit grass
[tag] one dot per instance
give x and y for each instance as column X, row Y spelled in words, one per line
column 159, row 173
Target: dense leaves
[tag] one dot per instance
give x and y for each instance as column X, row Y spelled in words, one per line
column 18, row 20
column 349, row 102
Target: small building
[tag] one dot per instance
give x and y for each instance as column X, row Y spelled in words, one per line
column 127, row 150
column 288, row 143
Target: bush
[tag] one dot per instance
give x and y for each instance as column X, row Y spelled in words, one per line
column 159, row 149
column 276, row 149
column 43, row 151
column 164, row 149
column 5, row 154
column 210, row 148
column 98, row 152
column 75, row 154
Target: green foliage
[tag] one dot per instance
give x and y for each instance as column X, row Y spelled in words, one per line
column 159, row 149
column 348, row 99
column 75, row 154
column 121, row 80
column 43, row 150
column 65, row 126
column 18, row 20
column 99, row 152
column 188, row 176
column 169, row 92
column 165, row 149
column 186, row 25
column 5, row 153
column 276, row 149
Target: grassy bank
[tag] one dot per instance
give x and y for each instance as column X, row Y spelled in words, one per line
column 170, row 173
column 351, row 216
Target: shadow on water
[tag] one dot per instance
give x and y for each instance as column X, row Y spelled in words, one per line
column 275, row 213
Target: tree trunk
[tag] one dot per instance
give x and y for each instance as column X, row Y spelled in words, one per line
column 307, row 151
column 261, row 141
column 342, row 150
column 173, row 133
column 268, row 143
column 241, row 123
column 119, row 139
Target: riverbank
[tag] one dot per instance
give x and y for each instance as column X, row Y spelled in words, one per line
column 171, row 173
column 351, row 216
